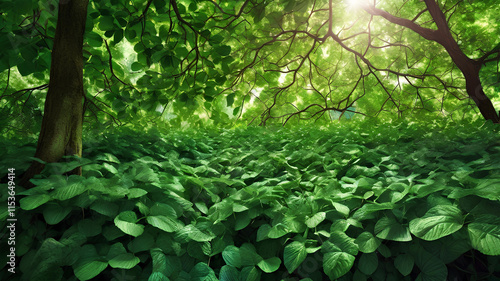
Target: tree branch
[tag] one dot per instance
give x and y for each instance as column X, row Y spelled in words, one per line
column 427, row 33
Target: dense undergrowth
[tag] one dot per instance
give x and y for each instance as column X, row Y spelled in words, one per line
column 351, row 202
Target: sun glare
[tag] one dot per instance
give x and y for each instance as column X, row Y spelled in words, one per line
column 355, row 4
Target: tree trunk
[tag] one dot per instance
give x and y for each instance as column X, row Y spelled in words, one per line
column 476, row 93
column 470, row 68
column 61, row 131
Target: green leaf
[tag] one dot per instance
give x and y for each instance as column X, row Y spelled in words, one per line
column 89, row 270
column 367, row 209
column 118, row 36
column 146, row 174
column 358, row 276
column 250, row 273
column 126, row 222
column 228, row 273
column 294, row 254
column 339, row 225
column 276, row 18
column 163, row 210
column 55, row 213
column 75, row 186
column 33, row 201
column 136, row 66
column 93, row 39
column 107, row 157
column 341, row 208
column 158, row 276
column 223, row 50
column 367, row 243
column 231, row 256
column 488, row 188
column 230, row 99
column 270, row 265
column 384, row 250
column 315, row 220
column 125, row 261
column 236, row 110
column 164, row 223
column 130, row 34
column 110, row 168
column 26, row 68
column 106, row 23
column 202, row 272
column 199, row 250
column 118, row 105
column 51, row 252
column 106, row 208
column 202, row 207
column 484, row 234
column 431, row 267
column 116, row 250
column 389, row 229
column 136, row 193
column 159, row 261
column 249, row 256
column 143, row 242
column 237, row 208
column 242, row 221
column 404, row 263
column 259, row 12
column 216, row 39
column 196, row 234
column 368, row 263
column 439, row 221
column 173, row 265
column 160, row 5
column 340, row 241
column 337, row 264
column 278, row 231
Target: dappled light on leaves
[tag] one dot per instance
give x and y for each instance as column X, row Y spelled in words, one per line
column 306, row 59
column 348, row 201
column 250, row 139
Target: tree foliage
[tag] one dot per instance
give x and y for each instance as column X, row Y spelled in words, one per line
column 193, row 62
column 311, row 58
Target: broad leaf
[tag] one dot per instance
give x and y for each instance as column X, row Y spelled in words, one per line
column 439, row 221
column 270, row 265
column 389, row 229
column 294, row 254
column 367, row 243
column 484, row 234
column 126, row 222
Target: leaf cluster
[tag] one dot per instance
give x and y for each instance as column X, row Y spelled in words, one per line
column 407, row 202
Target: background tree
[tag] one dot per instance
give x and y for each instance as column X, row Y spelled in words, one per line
column 470, row 67
column 61, row 129
column 310, row 58
column 169, row 51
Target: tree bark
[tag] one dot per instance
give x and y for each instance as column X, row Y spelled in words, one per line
column 61, row 131
column 469, row 67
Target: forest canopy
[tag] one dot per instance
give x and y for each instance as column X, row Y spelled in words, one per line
column 259, row 62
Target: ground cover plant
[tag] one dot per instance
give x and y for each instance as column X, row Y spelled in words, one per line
column 368, row 163
column 354, row 201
